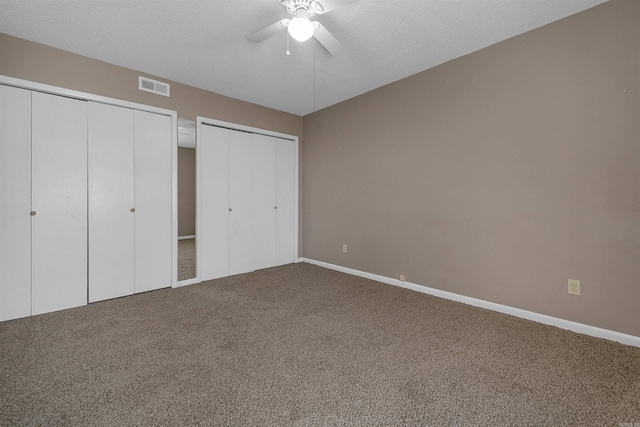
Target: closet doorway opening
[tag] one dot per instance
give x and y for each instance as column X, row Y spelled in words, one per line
column 187, row 230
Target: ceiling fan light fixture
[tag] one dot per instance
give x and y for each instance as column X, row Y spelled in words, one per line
column 300, row 28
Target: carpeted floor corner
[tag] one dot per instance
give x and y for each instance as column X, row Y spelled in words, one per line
column 186, row 259
column 300, row 345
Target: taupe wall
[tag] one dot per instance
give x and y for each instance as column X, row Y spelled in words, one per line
column 43, row 64
column 499, row 175
column 39, row 63
column 186, row 191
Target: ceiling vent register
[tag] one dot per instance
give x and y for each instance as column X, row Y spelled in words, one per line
column 153, row 86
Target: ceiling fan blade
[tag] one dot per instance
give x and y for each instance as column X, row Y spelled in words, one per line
column 267, row 32
column 326, row 39
column 329, row 5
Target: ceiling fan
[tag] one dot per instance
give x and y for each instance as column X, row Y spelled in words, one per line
column 300, row 27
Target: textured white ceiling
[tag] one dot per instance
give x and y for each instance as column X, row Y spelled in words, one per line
column 204, row 43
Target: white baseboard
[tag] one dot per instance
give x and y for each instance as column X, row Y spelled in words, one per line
column 524, row 314
column 181, row 283
column 186, row 237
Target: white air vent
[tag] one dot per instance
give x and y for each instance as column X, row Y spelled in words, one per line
column 153, row 86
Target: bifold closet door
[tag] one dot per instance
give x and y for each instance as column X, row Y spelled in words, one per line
column 274, row 201
column 15, row 203
column 59, row 203
column 241, row 229
column 153, row 201
column 285, row 201
column 265, row 201
column 227, row 236
column 111, row 216
column 214, row 199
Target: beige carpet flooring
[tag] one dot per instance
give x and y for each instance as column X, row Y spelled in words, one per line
column 300, row 345
column 186, row 259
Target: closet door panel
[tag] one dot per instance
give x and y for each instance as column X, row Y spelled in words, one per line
column 285, row 200
column 241, row 234
column 111, row 222
column 153, row 201
column 15, row 203
column 214, row 155
column 265, row 201
column 59, row 198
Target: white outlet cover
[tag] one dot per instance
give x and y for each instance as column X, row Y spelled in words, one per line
column 574, row 287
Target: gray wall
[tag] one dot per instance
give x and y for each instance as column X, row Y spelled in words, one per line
column 498, row 175
column 186, row 191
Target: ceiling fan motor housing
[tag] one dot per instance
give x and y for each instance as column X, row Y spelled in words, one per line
column 310, row 7
column 300, row 27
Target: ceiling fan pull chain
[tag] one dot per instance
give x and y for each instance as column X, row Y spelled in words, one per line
column 288, row 52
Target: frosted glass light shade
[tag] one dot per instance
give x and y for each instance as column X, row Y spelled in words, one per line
column 300, row 29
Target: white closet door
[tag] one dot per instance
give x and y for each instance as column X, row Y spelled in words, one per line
column 285, row 200
column 153, row 201
column 15, row 203
column 111, row 222
column 265, row 201
column 213, row 150
column 241, row 236
column 59, row 199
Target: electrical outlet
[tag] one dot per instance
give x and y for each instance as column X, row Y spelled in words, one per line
column 344, row 248
column 402, row 277
column 574, row 287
